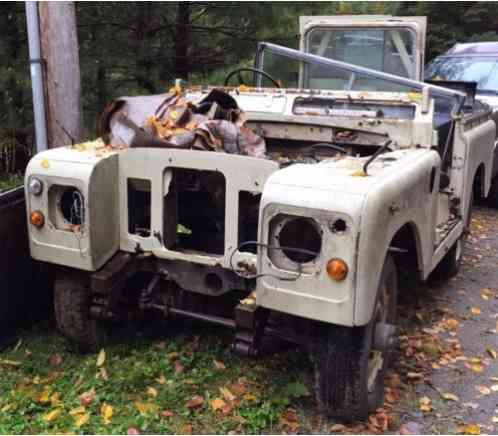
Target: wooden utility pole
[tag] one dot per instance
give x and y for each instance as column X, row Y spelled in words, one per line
column 59, row 47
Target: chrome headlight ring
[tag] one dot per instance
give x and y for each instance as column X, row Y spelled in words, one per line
column 35, row 186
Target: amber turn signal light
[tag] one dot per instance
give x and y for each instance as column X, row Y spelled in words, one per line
column 37, row 219
column 337, row 269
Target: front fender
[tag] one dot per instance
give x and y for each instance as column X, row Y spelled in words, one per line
column 407, row 197
column 401, row 189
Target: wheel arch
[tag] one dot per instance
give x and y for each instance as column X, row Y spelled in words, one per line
column 406, row 249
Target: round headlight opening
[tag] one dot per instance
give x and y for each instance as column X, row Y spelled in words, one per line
column 300, row 234
column 72, row 206
column 35, row 186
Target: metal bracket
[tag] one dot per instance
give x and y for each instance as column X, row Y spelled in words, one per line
column 250, row 323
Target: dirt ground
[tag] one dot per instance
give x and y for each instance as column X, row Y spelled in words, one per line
column 447, row 360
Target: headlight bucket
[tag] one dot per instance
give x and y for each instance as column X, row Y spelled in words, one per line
column 294, row 240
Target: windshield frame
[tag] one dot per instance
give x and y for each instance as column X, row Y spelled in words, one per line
column 350, row 68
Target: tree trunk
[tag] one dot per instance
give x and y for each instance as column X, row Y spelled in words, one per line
column 101, row 88
column 59, row 43
column 182, row 41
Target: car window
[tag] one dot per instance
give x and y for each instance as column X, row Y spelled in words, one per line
column 387, row 50
column 483, row 71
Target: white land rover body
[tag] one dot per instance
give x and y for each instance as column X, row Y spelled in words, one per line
column 365, row 173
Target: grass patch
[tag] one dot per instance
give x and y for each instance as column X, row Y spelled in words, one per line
column 148, row 382
column 9, row 181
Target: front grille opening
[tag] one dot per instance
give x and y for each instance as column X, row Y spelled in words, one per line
column 248, row 219
column 194, row 211
column 139, row 207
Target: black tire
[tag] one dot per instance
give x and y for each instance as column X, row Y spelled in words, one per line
column 450, row 263
column 492, row 198
column 72, row 312
column 452, row 260
column 342, row 355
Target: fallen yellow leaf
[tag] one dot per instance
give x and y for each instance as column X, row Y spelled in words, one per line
column 476, row 367
column 77, row 410
column 492, row 353
column 359, row 173
column 475, row 311
column 217, row 404
column 81, row 419
column 484, row 390
column 55, row 399
column 7, row 407
column 10, row 362
column 425, row 404
column 452, row 323
column 144, row 408
column 52, row 415
column 337, row 428
column 152, row 392
column 44, row 396
column 161, row 379
column 450, row 397
column 486, row 293
column 101, row 358
column 227, row 395
column 470, row 429
column 103, row 374
column 106, row 413
column 250, row 397
column 173, row 355
column 219, row 365
column 414, row 375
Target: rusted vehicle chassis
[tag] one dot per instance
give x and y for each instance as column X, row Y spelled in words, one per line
column 165, row 296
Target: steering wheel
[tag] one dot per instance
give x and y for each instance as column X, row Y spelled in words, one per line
column 254, row 70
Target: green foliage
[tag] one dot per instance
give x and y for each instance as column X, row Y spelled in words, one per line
column 9, row 181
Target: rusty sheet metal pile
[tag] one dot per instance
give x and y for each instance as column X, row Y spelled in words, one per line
column 215, row 123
